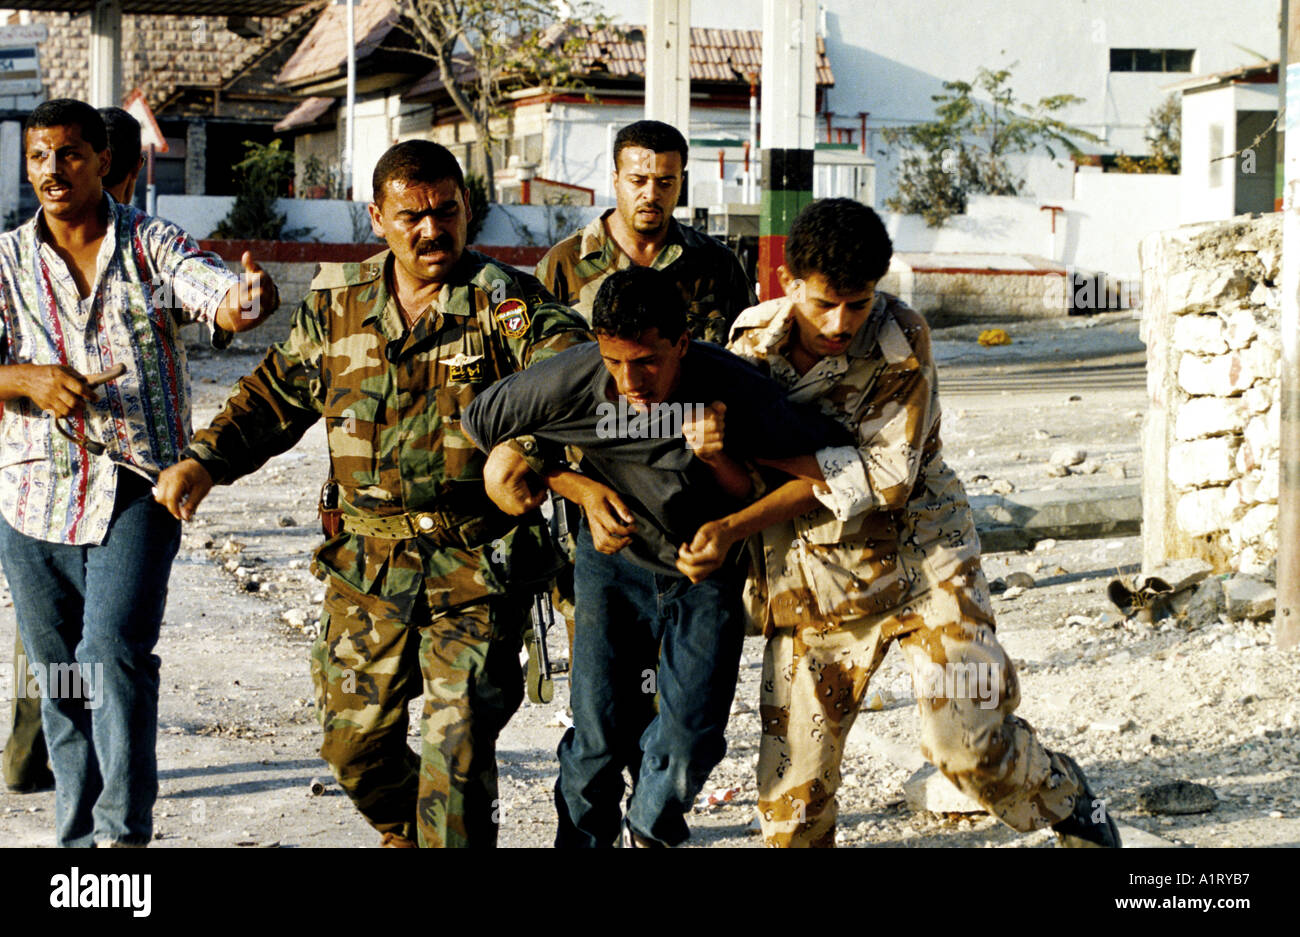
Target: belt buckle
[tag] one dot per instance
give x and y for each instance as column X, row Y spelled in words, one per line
column 424, row 522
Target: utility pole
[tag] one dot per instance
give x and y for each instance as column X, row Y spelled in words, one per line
column 668, row 64
column 349, row 137
column 789, row 110
column 106, row 54
column 1288, row 502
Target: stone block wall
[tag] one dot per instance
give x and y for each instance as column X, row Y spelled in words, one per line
column 1211, row 304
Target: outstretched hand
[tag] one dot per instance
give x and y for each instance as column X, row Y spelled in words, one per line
column 251, row 300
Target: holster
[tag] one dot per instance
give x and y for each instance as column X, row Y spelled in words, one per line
column 331, row 515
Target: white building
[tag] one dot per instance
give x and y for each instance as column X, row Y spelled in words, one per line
column 1120, row 56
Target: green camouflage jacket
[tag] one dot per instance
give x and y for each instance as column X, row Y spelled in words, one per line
column 392, row 397
column 711, row 279
column 895, row 521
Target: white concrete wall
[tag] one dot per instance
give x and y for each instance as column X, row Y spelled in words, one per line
column 1098, row 230
column 331, row 221
column 535, row 225
column 888, row 59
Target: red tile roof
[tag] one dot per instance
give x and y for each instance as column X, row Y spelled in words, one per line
column 717, row 55
column 325, row 49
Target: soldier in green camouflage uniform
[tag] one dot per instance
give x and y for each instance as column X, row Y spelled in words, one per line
column 649, row 157
column 417, row 578
column 877, row 545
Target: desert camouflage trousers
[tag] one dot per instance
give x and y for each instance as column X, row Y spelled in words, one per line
column 367, row 666
column 815, row 678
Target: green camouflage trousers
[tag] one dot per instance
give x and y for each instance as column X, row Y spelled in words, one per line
column 367, row 667
column 25, row 758
column 815, row 678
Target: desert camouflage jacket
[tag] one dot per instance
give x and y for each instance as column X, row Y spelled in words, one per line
column 895, row 521
column 392, row 396
column 710, row 277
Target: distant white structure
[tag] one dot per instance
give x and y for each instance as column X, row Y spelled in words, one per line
column 1121, row 57
column 1229, row 157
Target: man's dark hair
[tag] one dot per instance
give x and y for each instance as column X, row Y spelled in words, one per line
column 415, row 161
column 843, row 240
column 632, row 301
column 653, row 135
column 124, row 141
column 66, row 112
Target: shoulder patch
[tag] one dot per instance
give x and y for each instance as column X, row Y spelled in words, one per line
column 512, row 318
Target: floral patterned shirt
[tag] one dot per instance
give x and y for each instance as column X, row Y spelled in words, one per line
column 150, row 278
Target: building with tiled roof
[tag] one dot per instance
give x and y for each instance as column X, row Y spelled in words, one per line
column 210, row 80
column 561, row 135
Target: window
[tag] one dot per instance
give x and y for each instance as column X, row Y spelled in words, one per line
column 1151, row 60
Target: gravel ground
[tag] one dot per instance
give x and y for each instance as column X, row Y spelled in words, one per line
column 1203, row 701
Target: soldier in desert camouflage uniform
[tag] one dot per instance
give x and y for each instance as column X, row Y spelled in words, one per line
column 649, row 158
column 875, row 544
column 389, row 352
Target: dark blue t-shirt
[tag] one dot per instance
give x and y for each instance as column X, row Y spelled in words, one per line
column 565, row 399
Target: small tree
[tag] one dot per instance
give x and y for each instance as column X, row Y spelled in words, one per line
column 1164, row 137
column 264, row 175
column 965, row 150
column 481, row 46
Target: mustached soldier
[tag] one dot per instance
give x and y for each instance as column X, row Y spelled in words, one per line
column 875, row 545
column 390, row 352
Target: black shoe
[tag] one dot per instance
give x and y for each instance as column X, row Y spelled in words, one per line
column 43, row 781
column 1080, row 830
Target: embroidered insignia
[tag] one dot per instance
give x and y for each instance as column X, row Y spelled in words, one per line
column 512, row 316
column 465, row 369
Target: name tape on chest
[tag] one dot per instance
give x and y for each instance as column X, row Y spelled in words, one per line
column 465, row 369
column 512, row 317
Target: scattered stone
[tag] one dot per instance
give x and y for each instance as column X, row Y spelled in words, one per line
column 1020, row 581
column 976, row 479
column 251, row 586
column 1057, row 471
column 296, row 617
column 231, row 547
column 929, row 791
column 1073, row 398
column 1013, row 592
column 1043, row 546
column 997, row 586
column 1042, row 434
column 1113, row 726
column 1068, row 455
column 1079, row 621
column 1247, row 597
column 739, row 707
column 1202, row 605
column 1001, row 486
column 1275, row 814
column 287, row 521
column 1178, row 797
column 1115, row 470
column 1087, row 467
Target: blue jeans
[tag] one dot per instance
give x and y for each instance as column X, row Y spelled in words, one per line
column 98, row 609
column 637, row 633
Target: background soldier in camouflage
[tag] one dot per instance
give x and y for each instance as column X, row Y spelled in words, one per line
column 649, row 162
column 875, row 544
column 390, row 352
column 649, row 159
